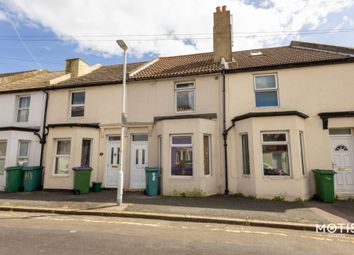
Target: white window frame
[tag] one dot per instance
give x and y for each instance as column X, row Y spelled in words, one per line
column 181, row 145
column 59, row 155
column 76, row 105
column 276, row 89
column 18, row 108
column 286, row 142
column 210, row 154
column 28, row 152
column 4, row 157
column 192, row 89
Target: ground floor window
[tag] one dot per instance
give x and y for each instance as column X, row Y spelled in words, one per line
column 62, row 157
column 3, row 145
column 245, row 154
column 23, row 153
column 86, row 152
column 207, row 154
column 275, row 147
column 181, row 155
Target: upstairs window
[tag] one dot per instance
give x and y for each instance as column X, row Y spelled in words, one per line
column 77, row 104
column 185, row 96
column 266, row 90
column 23, row 153
column 23, row 106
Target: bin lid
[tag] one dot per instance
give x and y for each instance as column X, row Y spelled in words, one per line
column 30, row 168
column 152, row 169
column 12, row 168
column 325, row 171
column 82, row 168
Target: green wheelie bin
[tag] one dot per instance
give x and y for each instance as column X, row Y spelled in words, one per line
column 14, row 179
column 82, row 177
column 325, row 185
column 152, row 180
column 32, row 178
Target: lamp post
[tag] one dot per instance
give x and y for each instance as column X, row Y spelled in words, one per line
column 124, row 122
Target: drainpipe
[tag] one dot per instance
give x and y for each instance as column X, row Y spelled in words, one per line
column 43, row 138
column 225, row 131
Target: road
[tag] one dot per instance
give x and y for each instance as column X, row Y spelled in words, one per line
column 33, row 233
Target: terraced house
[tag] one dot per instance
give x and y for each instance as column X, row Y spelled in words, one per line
column 22, row 108
column 255, row 122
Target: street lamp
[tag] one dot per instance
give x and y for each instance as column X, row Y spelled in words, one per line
column 124, row 122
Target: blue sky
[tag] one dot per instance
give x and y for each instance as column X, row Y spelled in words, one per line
column 53, row 31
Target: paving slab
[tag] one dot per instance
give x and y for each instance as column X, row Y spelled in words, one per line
column 226, row 207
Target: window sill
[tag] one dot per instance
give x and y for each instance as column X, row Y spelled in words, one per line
column 246, row 176
column 60, row 175
column 275, row 177
column 180, row 177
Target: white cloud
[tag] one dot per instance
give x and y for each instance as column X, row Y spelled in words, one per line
column 2, row 16
column 69, row 19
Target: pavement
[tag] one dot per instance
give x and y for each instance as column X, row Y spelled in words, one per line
column 41, row 233
column 214, row 209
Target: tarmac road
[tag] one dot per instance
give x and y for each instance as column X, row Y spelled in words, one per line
column 33, row 233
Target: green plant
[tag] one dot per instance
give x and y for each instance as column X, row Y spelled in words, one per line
column 279, row 198
column 299, row 200
column 192, row 193
column 252, row 197
column 239, row 195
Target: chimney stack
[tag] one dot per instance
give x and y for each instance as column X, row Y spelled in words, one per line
column 222, row 35
column 77, row 67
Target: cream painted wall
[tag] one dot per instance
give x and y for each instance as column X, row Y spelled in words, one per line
column 52, row 181
column 146, row 100
column 309, row 90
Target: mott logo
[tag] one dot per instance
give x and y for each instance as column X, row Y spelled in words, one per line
column 347, row 228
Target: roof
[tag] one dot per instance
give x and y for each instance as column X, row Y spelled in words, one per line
column 296, row 54
column 104, row 74
column 32, row 80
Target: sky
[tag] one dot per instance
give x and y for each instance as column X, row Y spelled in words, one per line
column 42, row 34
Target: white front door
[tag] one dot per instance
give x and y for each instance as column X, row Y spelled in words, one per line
column 113, row 161
column 342, row 156
column 138, row 162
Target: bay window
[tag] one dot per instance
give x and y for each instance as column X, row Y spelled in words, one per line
column 181, row 155
column 275, row 148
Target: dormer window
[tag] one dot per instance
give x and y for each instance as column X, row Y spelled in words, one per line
column 77, row 104
column 23, row 106
column 184, row 93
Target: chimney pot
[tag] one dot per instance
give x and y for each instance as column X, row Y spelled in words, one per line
column 224, row 8
column 218, row 9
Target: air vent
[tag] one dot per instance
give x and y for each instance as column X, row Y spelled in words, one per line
column 256, row 53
